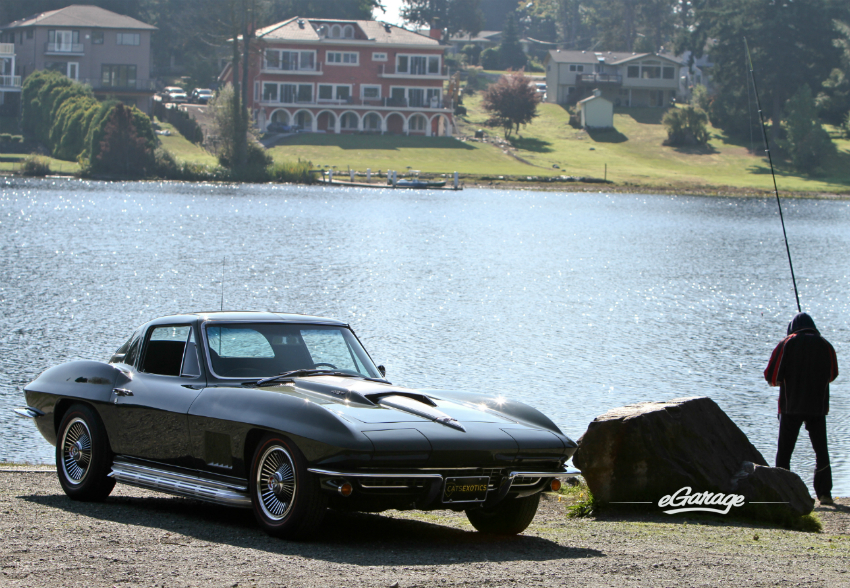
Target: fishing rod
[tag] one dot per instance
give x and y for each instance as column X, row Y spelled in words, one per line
column 772, row 173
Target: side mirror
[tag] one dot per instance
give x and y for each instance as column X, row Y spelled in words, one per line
column 383, row 370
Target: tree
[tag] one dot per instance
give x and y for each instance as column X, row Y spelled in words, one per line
column 512, row 101
column 472, row 52
column 789, row 49
column 454, row 16
column 806, row 142
column 124, row 149
column 510, row 51
column 686, row 126
column 834, row 100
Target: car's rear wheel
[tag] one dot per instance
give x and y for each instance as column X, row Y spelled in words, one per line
column 83, row 457
column 286, row 498
column 510, row 517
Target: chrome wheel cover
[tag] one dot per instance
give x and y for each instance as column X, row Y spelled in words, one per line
column 76, row 451
column 276, row 484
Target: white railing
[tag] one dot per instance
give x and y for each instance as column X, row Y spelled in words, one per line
column 10, row 81
column 63, row 48
column 7, row 48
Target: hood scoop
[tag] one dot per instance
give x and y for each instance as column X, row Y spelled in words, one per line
column 413, row 405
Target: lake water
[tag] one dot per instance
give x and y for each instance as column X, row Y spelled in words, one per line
column 574, row 303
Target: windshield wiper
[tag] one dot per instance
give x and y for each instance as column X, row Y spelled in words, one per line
column 296, row 374
column 302, row 373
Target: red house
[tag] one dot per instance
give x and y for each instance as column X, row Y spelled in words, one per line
column 348, row 76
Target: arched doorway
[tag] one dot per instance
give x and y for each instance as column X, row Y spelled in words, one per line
column 326, row 121
column 304, row 120
column 372, row 122
column 349, row 121
column 417, row 124
column 395, row 123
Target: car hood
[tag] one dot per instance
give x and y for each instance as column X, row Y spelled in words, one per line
column 369, row 402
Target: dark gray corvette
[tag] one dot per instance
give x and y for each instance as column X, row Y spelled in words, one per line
column 287, row 415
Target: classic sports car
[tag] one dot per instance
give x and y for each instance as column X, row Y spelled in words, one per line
column 287, row 415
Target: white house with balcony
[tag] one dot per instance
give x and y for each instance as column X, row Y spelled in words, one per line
column 625, row 79
column 10, row 84
column 110, row 52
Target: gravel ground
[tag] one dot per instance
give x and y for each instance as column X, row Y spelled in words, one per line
column 145, row 538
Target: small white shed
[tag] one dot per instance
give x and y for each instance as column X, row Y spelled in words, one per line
column 596, row 112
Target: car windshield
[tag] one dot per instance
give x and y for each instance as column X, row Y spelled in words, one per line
column 262, row 350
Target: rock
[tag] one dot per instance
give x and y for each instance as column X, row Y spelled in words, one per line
column 761, row 484
column 642, row 452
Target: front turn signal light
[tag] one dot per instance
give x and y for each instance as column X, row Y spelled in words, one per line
column 555, row 485
column 345, row 489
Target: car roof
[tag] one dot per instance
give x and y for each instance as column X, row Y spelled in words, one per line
column 247, row 316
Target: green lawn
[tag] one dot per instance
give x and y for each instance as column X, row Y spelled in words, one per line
column 183, row 149
column 634, row 153
column 383, row 152
column 12, row 162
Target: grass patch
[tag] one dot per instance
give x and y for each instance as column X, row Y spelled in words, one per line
column 383, row 152
column 14, row 162
column 184, row 150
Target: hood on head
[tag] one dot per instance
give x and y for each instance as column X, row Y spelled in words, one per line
column 801, row 322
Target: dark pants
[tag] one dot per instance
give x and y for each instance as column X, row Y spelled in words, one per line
column 789, row 428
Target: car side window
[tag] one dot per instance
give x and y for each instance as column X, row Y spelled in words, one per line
column 165, row 350
column 133, row 350
column 190, row 367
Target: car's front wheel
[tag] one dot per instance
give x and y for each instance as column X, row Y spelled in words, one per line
column 83, row 457
column 286, row 498
column 510, row 517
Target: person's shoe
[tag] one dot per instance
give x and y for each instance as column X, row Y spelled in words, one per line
column 826, row 500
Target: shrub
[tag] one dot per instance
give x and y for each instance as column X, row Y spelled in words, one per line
column 846, row 126
column 806, row 142
column 124, row 144
column 180, row 119
column 686, row 126
column 35, row 166
column 298, row 173
column 490, row 58
column 472, row 52
column 700, row 98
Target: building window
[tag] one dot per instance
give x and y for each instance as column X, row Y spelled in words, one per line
column 290, row 60
column 29, row 33
column 416, row 97
column 574, row 67
column 650, row 72
column 432, row 96
column 305, row 93
column 118, row 76
column 371, row 92
column 340, row 58
column 348, row 32
column 129, row 38
column 97, row 37
column 270, row 92
column 633, row 71
column 669, row 72
column 58, row 40
column 333, row 92
column 379, row 56
column 417, row 123
column 418, row 65
column 336, row 32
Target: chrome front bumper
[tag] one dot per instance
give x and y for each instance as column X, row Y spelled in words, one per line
column 28, row 412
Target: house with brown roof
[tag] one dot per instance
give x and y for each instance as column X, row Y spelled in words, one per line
column 110, row 52
column 625, row 79
column 348, row 76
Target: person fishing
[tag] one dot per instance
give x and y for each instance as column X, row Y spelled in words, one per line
column 803, row 365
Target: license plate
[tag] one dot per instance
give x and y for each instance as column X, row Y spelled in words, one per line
column 472, row 489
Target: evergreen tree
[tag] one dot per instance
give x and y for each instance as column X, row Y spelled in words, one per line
column 806, row 142
column 455, row 16
column 511, row 54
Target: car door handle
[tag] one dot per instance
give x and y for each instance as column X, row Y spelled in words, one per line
column 122, row 392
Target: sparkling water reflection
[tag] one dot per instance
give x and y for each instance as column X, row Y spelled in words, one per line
column 575, row 303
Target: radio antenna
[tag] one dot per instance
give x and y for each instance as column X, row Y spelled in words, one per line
column 772, row 173
column 223, row 260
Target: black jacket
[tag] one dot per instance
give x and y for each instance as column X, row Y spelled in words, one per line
column 802, row 365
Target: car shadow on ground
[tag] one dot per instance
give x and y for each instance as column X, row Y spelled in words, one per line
column 352, row 538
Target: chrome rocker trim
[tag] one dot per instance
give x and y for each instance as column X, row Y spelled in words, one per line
column 181, row 484
column 28, row 412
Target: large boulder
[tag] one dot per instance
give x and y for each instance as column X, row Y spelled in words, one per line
column 643, row 452
column 772, row 493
